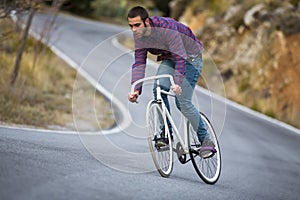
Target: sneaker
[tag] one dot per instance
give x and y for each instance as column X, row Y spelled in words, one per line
column 208, row 142
column 161, row 142
column 207, row 149
column 163, row 135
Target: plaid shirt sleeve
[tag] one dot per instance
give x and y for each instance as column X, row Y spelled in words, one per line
column 138, row 68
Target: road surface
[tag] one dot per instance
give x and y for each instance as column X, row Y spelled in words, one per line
column 260, row 157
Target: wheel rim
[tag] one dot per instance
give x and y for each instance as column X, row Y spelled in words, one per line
column 208, row 169
column 162, row 157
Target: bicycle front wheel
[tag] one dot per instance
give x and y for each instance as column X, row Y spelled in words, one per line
column 162, row 156
column 208, row 169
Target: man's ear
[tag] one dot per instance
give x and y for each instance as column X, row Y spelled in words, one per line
column 147, row 22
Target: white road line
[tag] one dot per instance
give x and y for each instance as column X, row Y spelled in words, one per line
column 120, row 126
column 124, row 123
column 122, row 108
column 249, row 111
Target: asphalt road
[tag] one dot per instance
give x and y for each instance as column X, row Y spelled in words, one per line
column 260, row 157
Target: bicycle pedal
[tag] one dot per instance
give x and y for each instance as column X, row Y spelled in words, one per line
column 206, row 154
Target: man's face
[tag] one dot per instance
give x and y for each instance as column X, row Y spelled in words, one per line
column 137, row 26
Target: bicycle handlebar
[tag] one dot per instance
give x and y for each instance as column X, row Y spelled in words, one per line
column 152, row 78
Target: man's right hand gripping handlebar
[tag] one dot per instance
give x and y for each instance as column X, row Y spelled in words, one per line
column 132, row 97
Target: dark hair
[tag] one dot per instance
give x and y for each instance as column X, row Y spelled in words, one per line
column 138, row 11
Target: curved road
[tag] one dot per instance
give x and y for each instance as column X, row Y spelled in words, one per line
column 260, row 156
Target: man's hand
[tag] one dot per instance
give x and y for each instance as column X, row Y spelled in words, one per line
column 176, row 89
column 132, row 97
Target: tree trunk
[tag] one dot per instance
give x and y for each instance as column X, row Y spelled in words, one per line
column 22, row 47
column 45, row 33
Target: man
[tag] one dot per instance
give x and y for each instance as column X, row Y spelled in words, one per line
column 180, row 53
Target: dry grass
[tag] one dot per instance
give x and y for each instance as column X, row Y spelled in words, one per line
column 42, row 95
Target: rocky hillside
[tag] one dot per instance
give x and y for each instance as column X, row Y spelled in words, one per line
column 257, row 50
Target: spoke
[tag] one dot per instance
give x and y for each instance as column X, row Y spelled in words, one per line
column 162, row 156
column 207, row 168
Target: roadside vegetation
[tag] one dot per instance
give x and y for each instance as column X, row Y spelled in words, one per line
column 42, row 93
column 260, row 71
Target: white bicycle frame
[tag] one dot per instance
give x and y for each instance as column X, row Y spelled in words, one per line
column 166, row 114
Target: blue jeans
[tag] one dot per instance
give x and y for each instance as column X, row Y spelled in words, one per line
column 184, row 101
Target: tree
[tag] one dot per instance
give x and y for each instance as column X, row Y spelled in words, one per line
column 79, row 7
column 8, row 7
column 44, row 35
column 33, row 7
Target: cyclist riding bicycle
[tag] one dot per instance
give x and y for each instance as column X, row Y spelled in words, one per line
column 180, row 53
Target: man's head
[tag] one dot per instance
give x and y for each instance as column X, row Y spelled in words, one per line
column 138, row 20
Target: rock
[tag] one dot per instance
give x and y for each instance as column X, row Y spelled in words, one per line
column 290, row 24
column 232, row 12
column 249, row 16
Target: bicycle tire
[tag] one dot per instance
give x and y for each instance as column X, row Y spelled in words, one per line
column 208, row 169
column 162, row 157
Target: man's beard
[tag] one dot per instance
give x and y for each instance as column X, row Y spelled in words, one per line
column 143, row 32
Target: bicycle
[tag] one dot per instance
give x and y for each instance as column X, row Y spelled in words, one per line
column 208, row 167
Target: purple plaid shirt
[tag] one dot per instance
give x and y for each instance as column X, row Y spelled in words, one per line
column 169, row 39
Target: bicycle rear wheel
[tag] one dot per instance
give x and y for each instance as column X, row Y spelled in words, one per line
column 208, row 169
column 162, row 156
